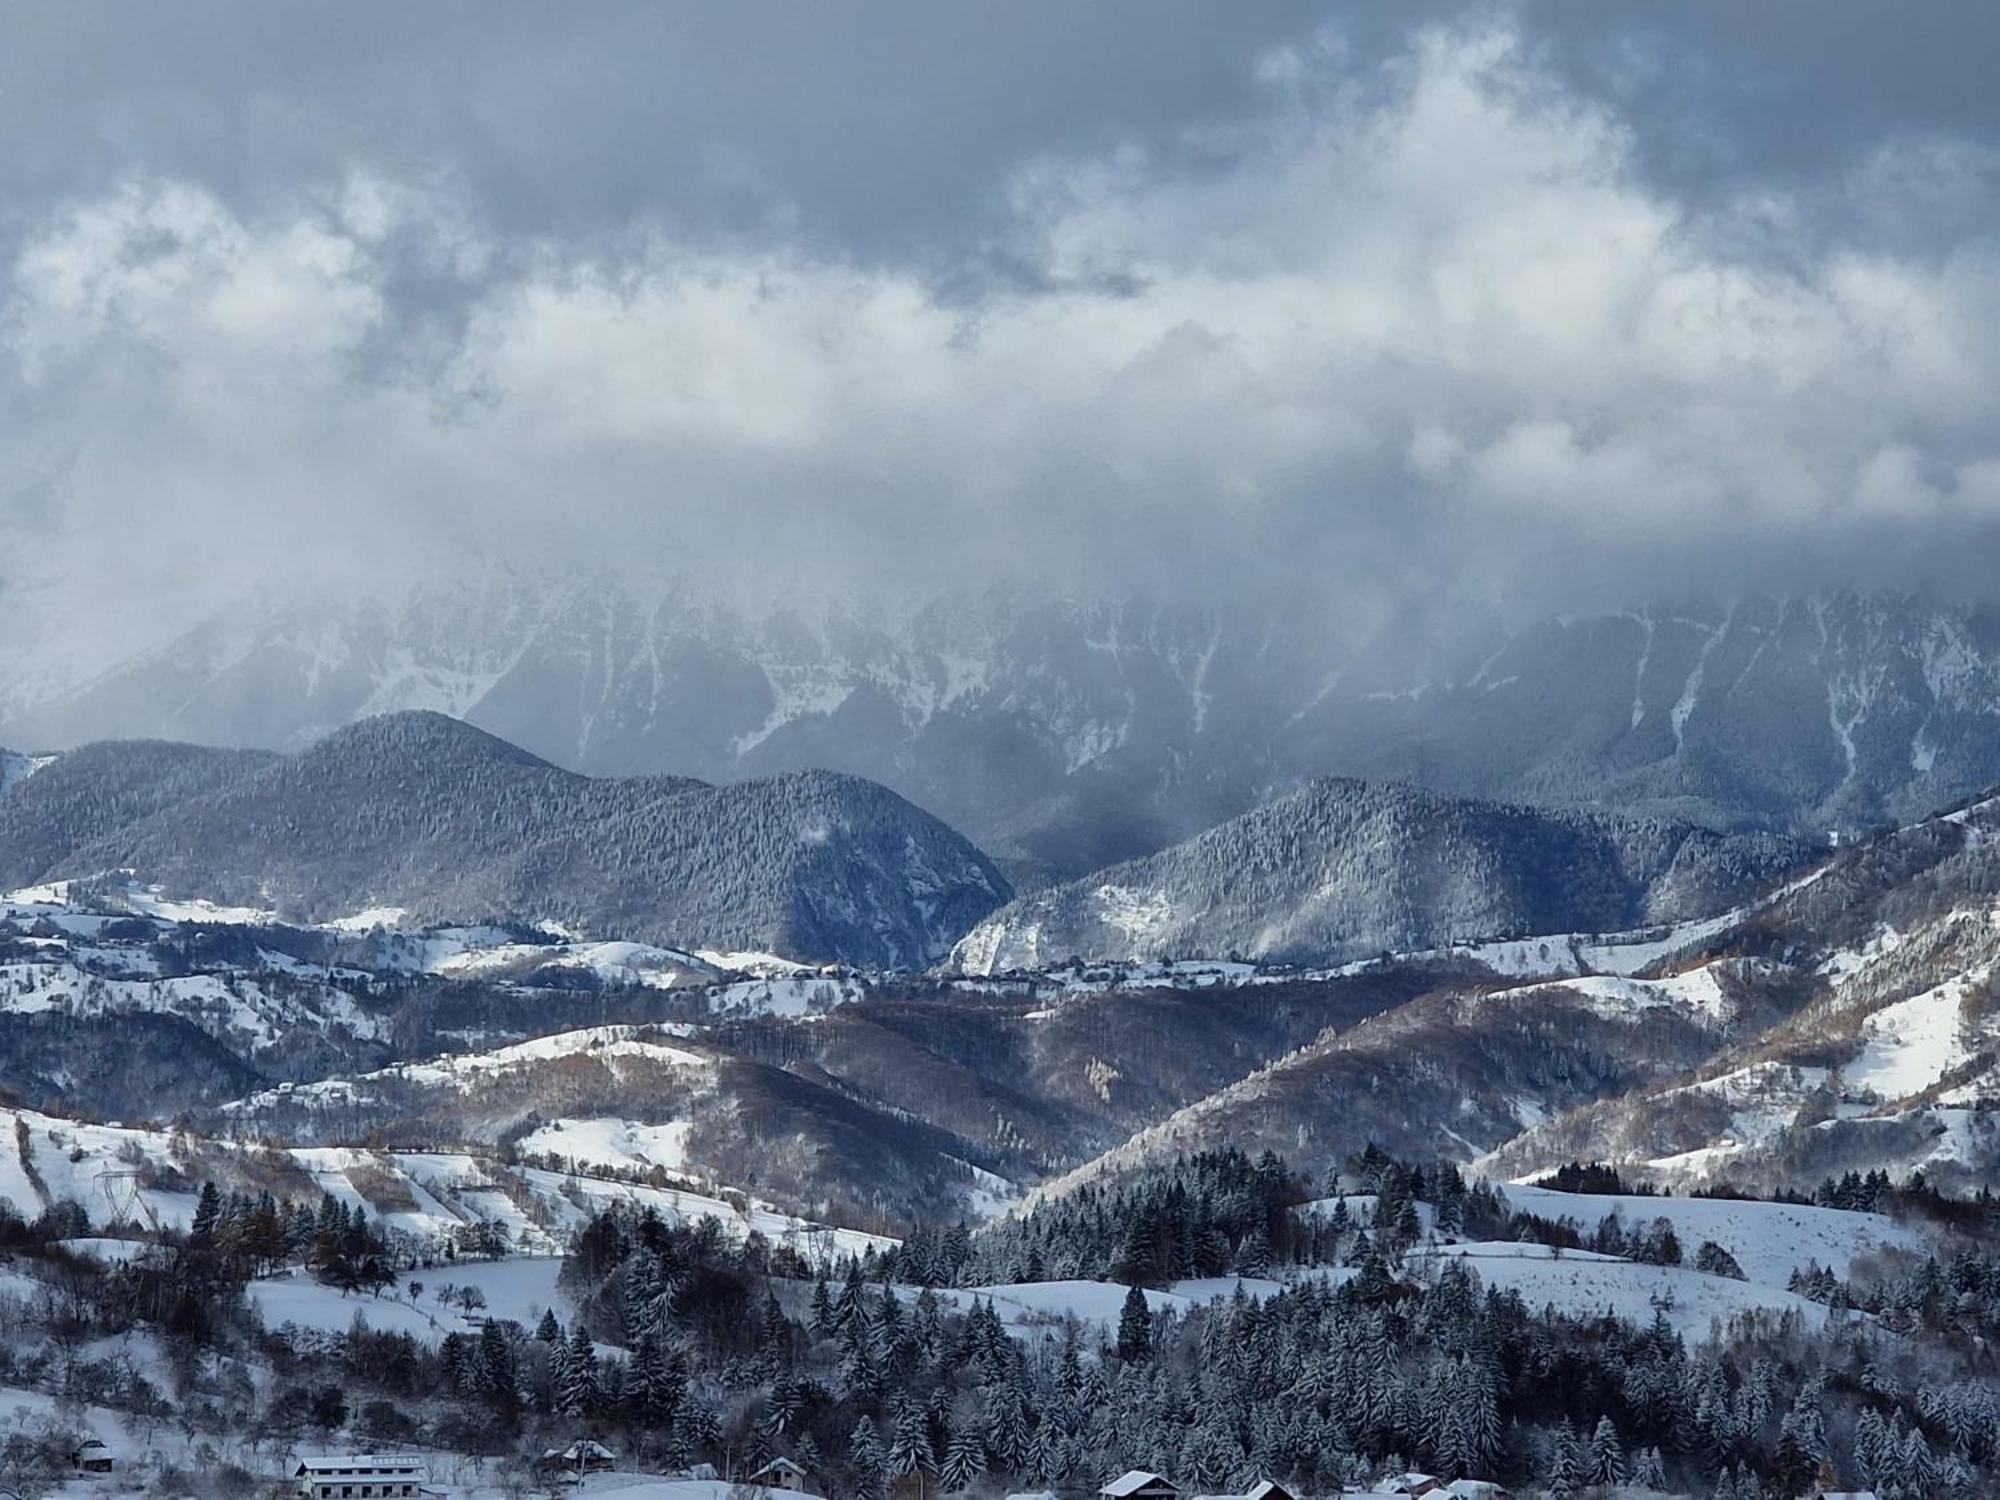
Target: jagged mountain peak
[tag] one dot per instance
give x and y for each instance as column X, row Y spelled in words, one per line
column 1065, row 733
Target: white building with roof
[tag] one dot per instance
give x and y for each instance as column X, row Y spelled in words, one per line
column 363, row 1476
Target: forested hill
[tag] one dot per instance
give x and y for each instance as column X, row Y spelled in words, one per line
column 421, row 812
column 1347, row 869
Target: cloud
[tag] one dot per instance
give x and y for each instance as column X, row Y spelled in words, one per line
column 1417, row 327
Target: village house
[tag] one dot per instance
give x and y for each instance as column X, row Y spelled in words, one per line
column 363, row 1476
column 93, row 1456
column 1137, row 1484
column 581, row 1457
column 1263, row 1489
column 783, row 1474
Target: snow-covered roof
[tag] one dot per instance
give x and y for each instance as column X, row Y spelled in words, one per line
column 317, row 1463
column 778, row 1464
column 1131, row 1482
column 1032, row 1495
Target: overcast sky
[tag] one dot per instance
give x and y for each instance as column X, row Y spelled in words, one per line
column 1571, row 304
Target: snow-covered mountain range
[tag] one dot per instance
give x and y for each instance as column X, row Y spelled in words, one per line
column 1064, row 736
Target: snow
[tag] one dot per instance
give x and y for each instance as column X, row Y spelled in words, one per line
column 1695, row 994
column 519, row 1289
column 150, row 901
column 370, row 918
column 652, row 1487
column 1138, row 914
column 1585, row 1286
column 1031, row 1307
column 1769, row 1240
column 1907, row 1047
column 617, row 963
column 238, row 1007
column 305, row 1303
column 808, row 994
column 612, row 1142
column 109, row 1251
column 16, row 768
column 749, row 961
column 461, row 1071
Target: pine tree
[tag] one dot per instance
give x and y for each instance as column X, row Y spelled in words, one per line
column 1135, row 1327
column 909, row 1449
column 1565, row 1464
column 1607, row 1454
column 207, row 1210
column 1649, row 1470
column 865, row 1459
column 964, row 1459
column 576, row 1383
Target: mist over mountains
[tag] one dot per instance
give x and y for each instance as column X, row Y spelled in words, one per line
column 1062, row 737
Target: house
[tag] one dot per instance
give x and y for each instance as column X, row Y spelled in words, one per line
column 783, row 1474
column 92, row 1456
column 1137, row 1484
column 587, row 1457
column 1475, row 1489
column 363, row 1476
column 1412, row 1483
column 1263, row 1489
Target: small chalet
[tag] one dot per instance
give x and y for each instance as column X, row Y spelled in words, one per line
column 1412, row 1483
column 93, row 1456
column 363, row 1476
column 783, row 1474
column 1137, row 1484
column 1263, row 1489
column 581, row 1457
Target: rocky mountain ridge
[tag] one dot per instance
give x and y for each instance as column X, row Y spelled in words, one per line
column 1063, row 736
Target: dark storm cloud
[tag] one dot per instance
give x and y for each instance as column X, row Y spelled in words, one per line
column 1558, row 303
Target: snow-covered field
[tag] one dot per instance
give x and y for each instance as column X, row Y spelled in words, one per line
column 520, row 1288
column 1584, row 1285
column 1769, row 1240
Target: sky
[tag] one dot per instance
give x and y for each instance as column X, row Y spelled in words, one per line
column 1565, row 305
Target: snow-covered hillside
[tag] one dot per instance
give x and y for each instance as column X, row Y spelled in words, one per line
column 150, row 1178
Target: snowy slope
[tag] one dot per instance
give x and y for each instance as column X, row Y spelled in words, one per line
column 150, row 1178
column 16, row 768
column 1585, row 1286
column 1769, row 1240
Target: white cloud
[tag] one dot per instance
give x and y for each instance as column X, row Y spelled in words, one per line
column 1421, row 325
